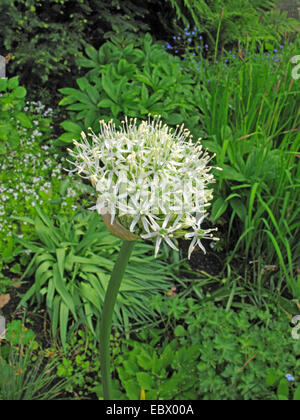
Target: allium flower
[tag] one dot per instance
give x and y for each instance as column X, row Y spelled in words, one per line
column 151, row 181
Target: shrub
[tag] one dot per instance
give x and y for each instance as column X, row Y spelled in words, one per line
column 134, row 81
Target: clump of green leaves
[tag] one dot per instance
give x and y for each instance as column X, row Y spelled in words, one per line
column 71, row 265
column 206, row 352
column 46, row 38
column 12, row 102
column 129, row 78
column 25, row 373
column 30, row 171
column 200, row 351
column 251, row 121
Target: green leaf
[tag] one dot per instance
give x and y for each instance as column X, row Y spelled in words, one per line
column 145, row 360
column 179, row 331
column 68, row 137
column 92, row 53
column 218, row 208
column 61, row 253
column 272, row 377
column 93, row 94
column 77, row 94
column 16, row 268
column 108, row 86
column 175, row 118
column 239, row 207
column 62, row 290
column 283, row 390
column 13, row 83
column 232, row 174
column 19, row 92
column 3, row 84
column 71, row 127
column 83, row 83
column 145, row 380
column 297, row 394
column 63, row 322
column 24, row 120
column 132, row 389
column 105, row 103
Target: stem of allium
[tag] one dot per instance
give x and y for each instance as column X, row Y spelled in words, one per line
column 107, row 314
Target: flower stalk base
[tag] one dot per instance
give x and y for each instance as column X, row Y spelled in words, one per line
column 107, row 314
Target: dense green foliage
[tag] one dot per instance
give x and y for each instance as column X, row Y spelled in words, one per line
column 203, row 352
column 46, row 38
column 220, row 331
column 72, row 263
column 134, row 81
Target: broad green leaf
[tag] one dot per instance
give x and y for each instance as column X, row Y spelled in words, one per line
column 108, row 86
column 63, row 322
column 283, row 390
column 13, row 83
column 19, row 92
column 83, row 83
column 105, row 103
column 68, row 137
column 218, row 208
column 24, row 120
column 62, row 290
column 3, row 84
column 145, row 380
column 230, row 173
column 239, row 207
column 71, row 127
column 77, row 94
column 93, row 94
column 61, row 253
column 92, row 53
column 297, row 394
column 179, row 331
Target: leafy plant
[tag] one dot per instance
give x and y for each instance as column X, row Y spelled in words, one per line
column 128, row 79
column 238, row 20
column 24, row 374
column 251, row 119
column 206, row 352
column 33, row 170
column 284, row 385
column 11, row 113
column 71, row 266
column 45, row 39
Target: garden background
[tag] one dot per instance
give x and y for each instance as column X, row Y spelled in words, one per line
column 219, row 326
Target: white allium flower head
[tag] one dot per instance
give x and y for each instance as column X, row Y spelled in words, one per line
column 152, row 182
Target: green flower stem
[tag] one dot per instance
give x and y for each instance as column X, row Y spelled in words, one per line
column 107, row 314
